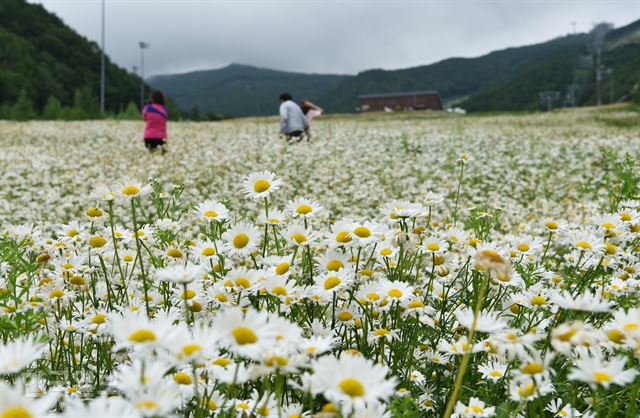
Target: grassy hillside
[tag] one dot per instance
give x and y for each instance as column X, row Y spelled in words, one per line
column 621, row 54
column 453, row 78
column 242, row 90
column 43, row 58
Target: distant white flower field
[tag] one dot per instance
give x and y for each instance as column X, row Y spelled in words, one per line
column 396, row 266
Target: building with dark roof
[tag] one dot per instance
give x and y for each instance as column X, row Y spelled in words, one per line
column 413, row 100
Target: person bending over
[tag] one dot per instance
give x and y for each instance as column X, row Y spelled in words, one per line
column 293, row 123
column 311, row 111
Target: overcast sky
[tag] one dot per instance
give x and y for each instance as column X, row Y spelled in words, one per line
column 326, row 36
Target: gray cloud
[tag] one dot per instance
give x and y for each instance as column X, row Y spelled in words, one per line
column 326, row 36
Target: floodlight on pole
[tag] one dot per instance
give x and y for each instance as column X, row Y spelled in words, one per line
column 102, row 64
column 143, row 46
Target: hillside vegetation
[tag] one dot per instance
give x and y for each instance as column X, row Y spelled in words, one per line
column 46, row 64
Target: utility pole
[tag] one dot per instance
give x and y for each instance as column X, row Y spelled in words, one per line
column 610, row 73
column 102, row 69
column 143, row 46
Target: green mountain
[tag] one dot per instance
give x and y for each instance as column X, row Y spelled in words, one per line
column 242, row 90
column 454, row 78
column 505, row 80
column 572, row 66
column 41, row 58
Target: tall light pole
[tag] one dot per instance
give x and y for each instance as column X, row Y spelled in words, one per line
column 102, row 69
column 610, row 74
column 143, row 46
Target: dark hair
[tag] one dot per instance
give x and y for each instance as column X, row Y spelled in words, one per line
column 285, row 96
column 157, row 97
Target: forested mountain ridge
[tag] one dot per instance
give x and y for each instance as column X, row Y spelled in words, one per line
column 43, row 60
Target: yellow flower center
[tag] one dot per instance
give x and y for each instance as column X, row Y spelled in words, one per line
column 433, row 246
column 602, row 377
column 304, row 209
column 94, row 212
column 567, row 335
column 188, row 294
column 386, row 252
column 523, row 247
column 208, row 252
column 143, row 335
column 99, row 318
column 298, row 237
column 526, row 391
column 631, row 326
column 191, row 349
column 495, row 373
column 533, row 368
column 351, row 387
column 492, row 256
column 97, row 241
column 616, row 336
column 395, row 293
column 282, row 268
column 261, row 186
column 222, row 362
column 276, row 361
column 174, row 252
column 244, row 335
column 72, row 233
column 334, row 265
column 343, row 237
column 345, row 316
column 552, row 225
column 279, row 291
column 210, row 214
column 77, row 280
column 56, row 294
column 538, row 300
column 241, row 240
column 416, row 304
column 182, row 378
column 583, row 244
column 331, row 282
column 243, row 282
column 381, row 332
column 362, row 232
column 146, row 405
column 477, row 408
column 16, row 412
column 131, row 190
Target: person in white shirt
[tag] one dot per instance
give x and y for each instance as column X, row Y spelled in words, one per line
column 293, row 123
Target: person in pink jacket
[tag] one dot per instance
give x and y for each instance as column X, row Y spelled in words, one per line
column 155, row 114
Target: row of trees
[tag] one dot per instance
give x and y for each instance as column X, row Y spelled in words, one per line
column 85, row 106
